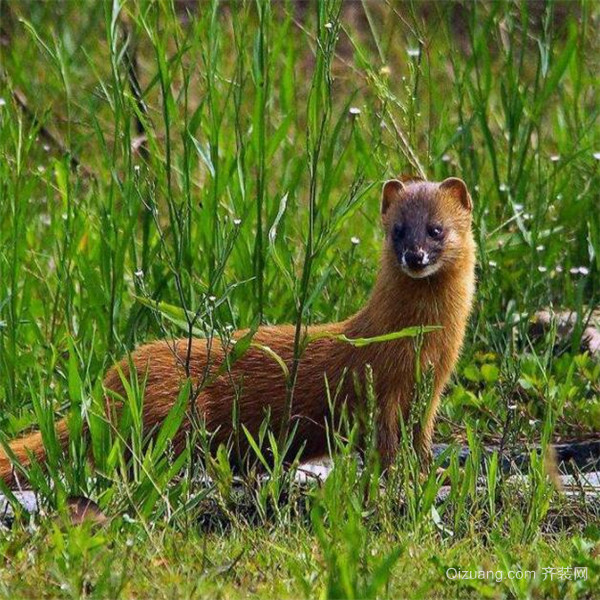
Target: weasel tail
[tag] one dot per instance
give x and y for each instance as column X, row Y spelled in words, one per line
column 426, row 277
column 29, row 446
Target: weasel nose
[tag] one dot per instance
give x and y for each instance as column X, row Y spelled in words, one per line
column 415, row 259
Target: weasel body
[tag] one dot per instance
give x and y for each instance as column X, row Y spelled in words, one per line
column 426, row 277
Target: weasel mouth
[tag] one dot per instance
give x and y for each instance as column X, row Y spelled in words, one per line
column 420, row 272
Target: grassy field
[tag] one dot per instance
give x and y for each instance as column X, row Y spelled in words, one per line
column 162, row 160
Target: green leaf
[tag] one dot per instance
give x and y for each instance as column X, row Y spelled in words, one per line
column 204, row 154
column 490, row 373
column 256, row 449
column 471, row 372
column 172, row 422
column 240, row 347
column 172, row 313
column 382, row 573
column 388, row 337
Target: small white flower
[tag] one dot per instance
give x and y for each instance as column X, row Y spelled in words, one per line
column 354, row 110
column 559, row 269
column 41, row 169
column 532, row 422
column 555, row 158
column 237, row 222
column 328, row 25
column 493, row 263
column 46, row 147
column 574, row 270
column 584, row 271
column 413, row 52
column 355, row 240
column 212, row 298
column 596, row 155
column 527, row 217
column 139, row 273
column 540, row 248
column 542, row 269
column 512, row 407
column 136, row 168
column 503, row 187
column 446, row 158
column 519, row 207
column 2, row 102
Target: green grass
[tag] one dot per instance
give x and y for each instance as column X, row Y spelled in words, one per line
column 254, row 197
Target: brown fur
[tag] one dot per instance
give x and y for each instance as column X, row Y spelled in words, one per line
column 257, row 381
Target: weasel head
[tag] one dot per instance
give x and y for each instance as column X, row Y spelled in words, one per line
column 427, row 225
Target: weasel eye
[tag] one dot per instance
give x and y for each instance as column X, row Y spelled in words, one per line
column 397, row 231
column 435, row 231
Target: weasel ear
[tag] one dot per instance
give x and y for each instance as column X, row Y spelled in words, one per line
column 391, row 191
column 457, row 188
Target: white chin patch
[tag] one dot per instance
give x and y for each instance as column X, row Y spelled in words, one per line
column 422, row 273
